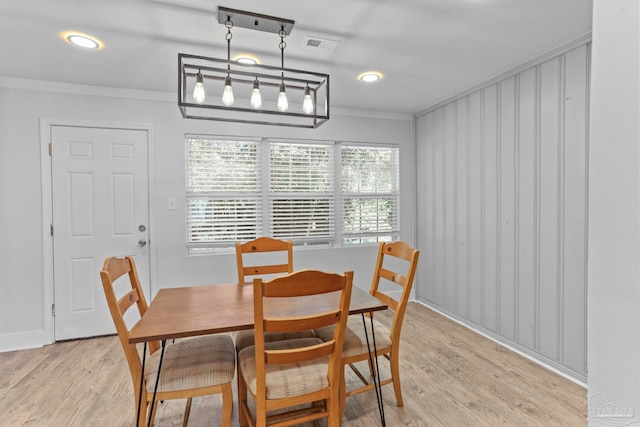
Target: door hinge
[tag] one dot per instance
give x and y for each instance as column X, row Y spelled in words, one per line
column 51, row 229
column 53, row 309
column 50, row 149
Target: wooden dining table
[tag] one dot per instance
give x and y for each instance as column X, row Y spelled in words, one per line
column 211, row 309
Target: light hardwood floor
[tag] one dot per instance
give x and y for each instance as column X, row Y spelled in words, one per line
column 450, row 376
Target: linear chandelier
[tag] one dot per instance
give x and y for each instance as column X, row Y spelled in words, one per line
column 232, row 91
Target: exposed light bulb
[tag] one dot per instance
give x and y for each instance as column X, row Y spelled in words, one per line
column 283, row 103
column 227, row 95
column 198, row 90
column 307, row 101
column 256, row 98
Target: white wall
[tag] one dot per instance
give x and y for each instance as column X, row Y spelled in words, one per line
column 22, row 105
column 502, row 208
column 614, row 211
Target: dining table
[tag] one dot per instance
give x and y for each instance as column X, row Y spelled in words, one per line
column 182, row 312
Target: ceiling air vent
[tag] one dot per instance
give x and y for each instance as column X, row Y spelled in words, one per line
column 320, row 42
column 314, row 43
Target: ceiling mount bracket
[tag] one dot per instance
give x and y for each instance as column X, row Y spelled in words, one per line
column 254, row 21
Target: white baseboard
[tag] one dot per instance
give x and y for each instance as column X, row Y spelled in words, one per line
column 23, row 340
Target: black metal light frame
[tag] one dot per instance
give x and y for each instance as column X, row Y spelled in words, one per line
column 215, row 70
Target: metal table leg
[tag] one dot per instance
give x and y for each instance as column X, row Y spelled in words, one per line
column 376, row 376
column 144, row 360
column 155, row 389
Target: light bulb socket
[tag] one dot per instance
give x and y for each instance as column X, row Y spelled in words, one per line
column 199, row 77
column 256, row 84
column 282, row 87
column 307, row 91
column 227, row 81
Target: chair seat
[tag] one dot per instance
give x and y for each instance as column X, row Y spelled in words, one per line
column 286, row 380
column 193, row 363
column 355, row 342
column 246, row 338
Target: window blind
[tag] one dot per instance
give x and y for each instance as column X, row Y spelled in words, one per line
column 370, row 193
column 223, row 191
column 242, row 188
column 301, row 191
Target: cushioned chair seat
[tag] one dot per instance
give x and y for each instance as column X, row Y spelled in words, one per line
column 193, row 363
column 355, row 341
column 286, row 380
column 246, row 338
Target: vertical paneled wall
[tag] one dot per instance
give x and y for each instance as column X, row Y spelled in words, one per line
column 502, row 209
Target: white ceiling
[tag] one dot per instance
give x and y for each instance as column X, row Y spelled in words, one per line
column 428, row 50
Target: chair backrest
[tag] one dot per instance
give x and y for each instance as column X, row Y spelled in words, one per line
column 262, row 245
column 390, row 268
column 113, row 269
column 279, row 314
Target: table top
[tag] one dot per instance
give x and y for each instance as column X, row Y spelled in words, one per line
column 212, row 309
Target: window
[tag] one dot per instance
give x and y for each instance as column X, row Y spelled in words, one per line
column 242, row 188
column 301, row 206
column 224, row 199
column 370, row 193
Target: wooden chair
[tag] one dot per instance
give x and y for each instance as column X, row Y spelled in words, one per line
column 387, row 341
column 262, row 245
column 259, row 247
column 298, row 372
column 190, row 368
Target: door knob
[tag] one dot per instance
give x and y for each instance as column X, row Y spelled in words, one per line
column 142, row 242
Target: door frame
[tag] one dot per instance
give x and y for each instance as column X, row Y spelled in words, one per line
column 47, row 208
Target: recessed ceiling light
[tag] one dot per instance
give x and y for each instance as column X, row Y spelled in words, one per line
column 84, row 41
column 245, row 58
column 370, row 76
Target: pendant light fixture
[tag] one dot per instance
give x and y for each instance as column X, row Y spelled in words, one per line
column 198, row 91
column 307, row 101
column 227, row 94
column 252, row 93
column 283, row 102
column 256, row 97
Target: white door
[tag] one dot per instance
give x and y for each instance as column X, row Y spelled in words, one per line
column 100, row 205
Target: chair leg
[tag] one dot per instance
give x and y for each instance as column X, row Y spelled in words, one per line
column 261, row 412
column 142, row 419
column 342, row 395
column 242, row 399
column 335, row 415
column 227, row 405
column 187, row 411
column 395, row 375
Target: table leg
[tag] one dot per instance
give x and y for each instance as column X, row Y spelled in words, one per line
column 144, row 359
column 155, row 389
column 376, row 376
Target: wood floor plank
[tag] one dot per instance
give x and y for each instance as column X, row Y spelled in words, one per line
column 451, row 376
